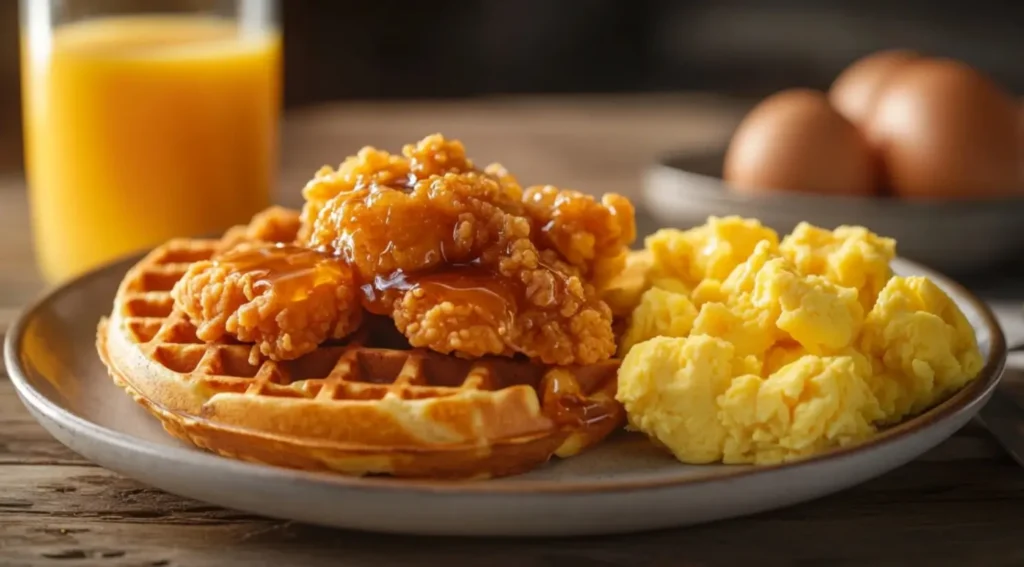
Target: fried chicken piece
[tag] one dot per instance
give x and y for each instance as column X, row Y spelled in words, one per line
column 432, row 156
column 442, row 220
column 534, row 304
column 284, row 298
column 592, row 235
column 446, row 250
column 562, row 321
column 273, row 224
column 467, row 312
column 425, row 208
column 549, row 314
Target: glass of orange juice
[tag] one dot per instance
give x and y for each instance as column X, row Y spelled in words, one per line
column 145, row 121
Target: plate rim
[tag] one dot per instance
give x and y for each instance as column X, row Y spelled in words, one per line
column 960, row 402
column 716, row 188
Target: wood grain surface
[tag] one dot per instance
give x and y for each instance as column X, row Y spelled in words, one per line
column 961, row 504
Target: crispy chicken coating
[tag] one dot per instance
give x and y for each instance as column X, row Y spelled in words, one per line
column 592, row 235
column 273, row 224
column 433, row 155
column 285, row 299
column 469, row 314
column 447, row 251
column 413, row 212
column 534, row 304
column 443, row 220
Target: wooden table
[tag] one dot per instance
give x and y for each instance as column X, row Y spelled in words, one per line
column 961, row 504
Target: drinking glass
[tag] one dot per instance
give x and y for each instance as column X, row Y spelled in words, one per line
column 145, row 121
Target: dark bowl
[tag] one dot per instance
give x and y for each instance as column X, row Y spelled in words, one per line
column 955, row 237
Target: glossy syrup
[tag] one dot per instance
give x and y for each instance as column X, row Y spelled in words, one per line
column 565, row 403
column 459, row 285
column 286, row 270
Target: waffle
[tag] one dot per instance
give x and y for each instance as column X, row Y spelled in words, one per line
column 366, row 405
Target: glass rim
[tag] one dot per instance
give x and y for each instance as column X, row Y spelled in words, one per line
column 40, row 16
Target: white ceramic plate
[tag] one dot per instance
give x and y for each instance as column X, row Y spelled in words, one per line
column 954, row 237
column 621, row 486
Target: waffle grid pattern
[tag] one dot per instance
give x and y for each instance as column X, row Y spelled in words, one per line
column 347, row 406
column 344, row 370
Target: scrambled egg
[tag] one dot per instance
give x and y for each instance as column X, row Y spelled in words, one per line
column 922, row 347
column 850, row 256
column 661, row 313
column 744, row 349
column 709, row 251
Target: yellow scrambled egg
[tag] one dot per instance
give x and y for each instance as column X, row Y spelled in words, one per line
column 742, row 348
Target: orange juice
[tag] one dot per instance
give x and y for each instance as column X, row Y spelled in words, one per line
column 143, row 128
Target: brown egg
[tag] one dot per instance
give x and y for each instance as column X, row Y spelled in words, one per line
column 855, row 90
column 794, row 140
column 946, row 130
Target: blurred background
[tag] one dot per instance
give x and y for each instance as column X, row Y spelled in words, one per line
column 397, row 49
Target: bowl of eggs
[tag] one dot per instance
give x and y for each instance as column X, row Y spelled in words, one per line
column 927, row 150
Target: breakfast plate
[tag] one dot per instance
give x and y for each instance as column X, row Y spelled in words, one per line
column 622, row 485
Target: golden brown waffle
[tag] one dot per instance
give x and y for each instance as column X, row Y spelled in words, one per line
column 369, row 405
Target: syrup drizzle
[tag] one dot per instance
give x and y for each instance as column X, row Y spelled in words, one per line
column 566, row 404
column 290, row 271
column 459, row 285
column 286, row 270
